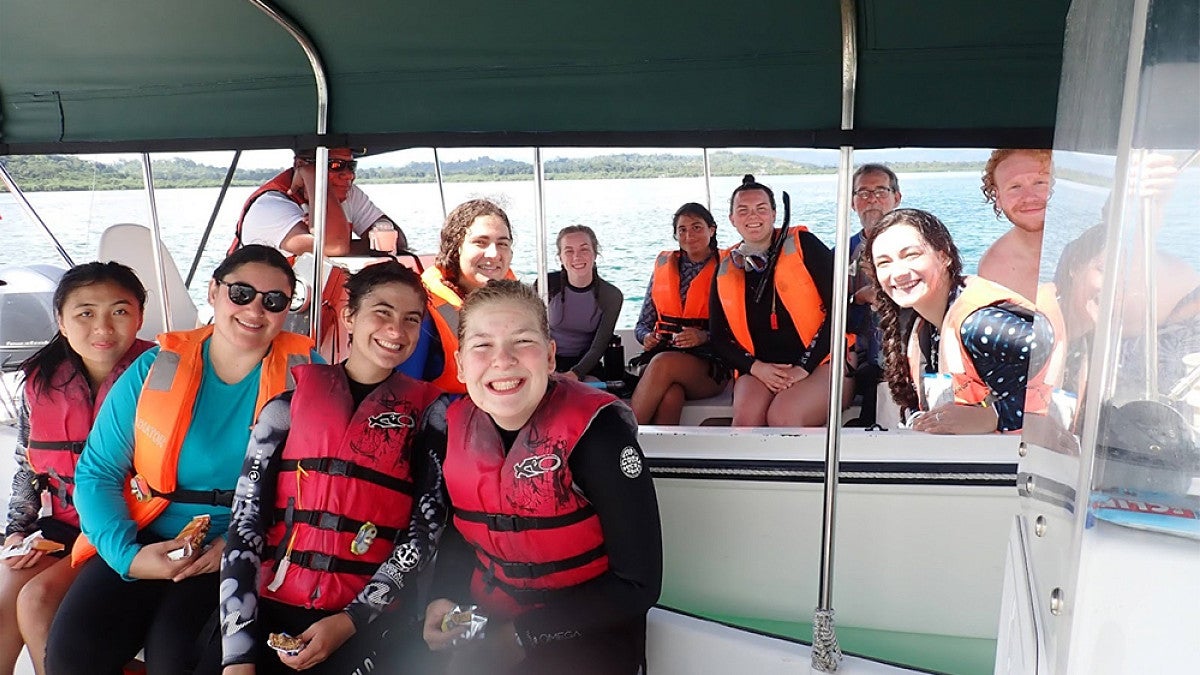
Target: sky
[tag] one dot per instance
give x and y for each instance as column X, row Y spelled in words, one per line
column 272, row 159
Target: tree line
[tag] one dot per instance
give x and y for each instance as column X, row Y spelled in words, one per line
column 45, row 173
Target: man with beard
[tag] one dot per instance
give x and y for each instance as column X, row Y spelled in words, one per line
column 1017, row 183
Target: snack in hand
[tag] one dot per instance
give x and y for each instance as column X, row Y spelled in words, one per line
column 465, row 616
column 285, row 644
column 192, row 535
column 34, row 542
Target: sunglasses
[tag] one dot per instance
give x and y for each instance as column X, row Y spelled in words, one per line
column 339, row 165
column 243, row 294
column 755, row 262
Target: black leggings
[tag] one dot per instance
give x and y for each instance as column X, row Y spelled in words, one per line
column 104, row 620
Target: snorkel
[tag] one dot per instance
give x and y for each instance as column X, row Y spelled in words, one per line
column 774, row 251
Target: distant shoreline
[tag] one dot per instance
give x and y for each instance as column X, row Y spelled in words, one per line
column 54, row 173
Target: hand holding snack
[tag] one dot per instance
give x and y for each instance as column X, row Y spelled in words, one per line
column 319, row 641
column 285, row 644
column 192, row 536
column 435, row 613
column 22, row 552
column 206, row 561
column 153, row 562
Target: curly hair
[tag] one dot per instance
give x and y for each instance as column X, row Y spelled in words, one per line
column 454, row 232
column 989, row 187
column 895, row 334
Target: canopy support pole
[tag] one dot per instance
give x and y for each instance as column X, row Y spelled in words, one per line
column 160, row 268
column 707, row 181
column 826, row 653
column 30, row 212
column 437, row 172
column 237, row 154
column 319, row 200
column 539, row 216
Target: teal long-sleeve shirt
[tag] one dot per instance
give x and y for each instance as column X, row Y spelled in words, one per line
column 210, row 458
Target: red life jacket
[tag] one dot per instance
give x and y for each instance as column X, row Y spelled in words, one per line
column 532, row 531
column 281, row 184
column 665, row 290
column 59, row 421
column 344, row 490
column 966, row 383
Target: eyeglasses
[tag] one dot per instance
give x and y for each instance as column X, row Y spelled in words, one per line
column 755, row 262
column 243, row 294
column 877, row 193
column 339, row 165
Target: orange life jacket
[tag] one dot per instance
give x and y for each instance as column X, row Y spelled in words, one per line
column 532, row 531
column 793, row 284
column 967, row 385
column 667, row 294
column 444, row 304
column 344, row 491
column 164, row 414
column 60, row 418
column 281, row 184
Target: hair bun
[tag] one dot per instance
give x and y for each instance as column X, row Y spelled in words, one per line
column 748, row 179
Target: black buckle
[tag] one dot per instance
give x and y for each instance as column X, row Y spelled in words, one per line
column 338, row 467
column 328, row 521
column 520, row 570
column 503, row 523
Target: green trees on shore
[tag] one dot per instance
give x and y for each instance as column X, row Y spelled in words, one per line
column 43, row 173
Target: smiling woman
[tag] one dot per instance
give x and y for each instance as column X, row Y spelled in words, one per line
column 583, row 307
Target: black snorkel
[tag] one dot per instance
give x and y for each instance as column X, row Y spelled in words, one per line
column 774, row 250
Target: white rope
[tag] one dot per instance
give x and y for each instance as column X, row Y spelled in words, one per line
column 826, row 654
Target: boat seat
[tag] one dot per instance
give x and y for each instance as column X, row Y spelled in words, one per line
column 129, row 244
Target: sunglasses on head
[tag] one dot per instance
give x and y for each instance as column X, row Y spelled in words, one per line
column 243, row 294
column 339, row 165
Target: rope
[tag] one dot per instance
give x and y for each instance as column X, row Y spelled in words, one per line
column 826, row 654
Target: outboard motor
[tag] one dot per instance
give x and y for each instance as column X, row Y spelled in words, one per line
column 26, row 311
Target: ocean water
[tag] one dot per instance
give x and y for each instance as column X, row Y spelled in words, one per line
column 631, row 217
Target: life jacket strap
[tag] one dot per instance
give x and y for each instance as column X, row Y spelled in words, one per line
column 74, row 447
column 519, row 570
column 323, row 562
column 324, row 520
column 500, row 522
column 344, row 467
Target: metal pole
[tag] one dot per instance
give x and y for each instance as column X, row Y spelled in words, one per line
column 30, row 212
column 317, row 215
column 213, row 218
column 707, row 181
column 826, row 653
column 437, row 171
column 539, row 216
column 160, row 268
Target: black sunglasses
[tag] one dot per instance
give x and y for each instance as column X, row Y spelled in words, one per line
column 243, row 294
column 339, row 165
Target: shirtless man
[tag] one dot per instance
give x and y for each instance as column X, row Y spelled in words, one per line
column 278, row 213
column 1017, row 183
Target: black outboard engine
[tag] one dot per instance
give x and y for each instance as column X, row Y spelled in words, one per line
column 26, row 311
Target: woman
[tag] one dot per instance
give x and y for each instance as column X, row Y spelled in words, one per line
column 964, row 361
column 98, row 307
column 178, row 421
column 768, row 317
column 549, row 488
column 673, row 325
column 583, row 307
column 329, row 472
column 476, row 247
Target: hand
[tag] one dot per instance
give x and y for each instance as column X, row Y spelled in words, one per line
column 239, row 669
column 775, row 376
column 21, row 562
column 651, row 341
column 434, row 636
column 304, row 177
column 151, row 561
column 952, row 418
column 570, row 375
column 321, row 640
column 690, row 337
column 207, row 562
column 496, row 653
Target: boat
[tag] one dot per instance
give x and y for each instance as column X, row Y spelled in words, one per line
column 948, row 558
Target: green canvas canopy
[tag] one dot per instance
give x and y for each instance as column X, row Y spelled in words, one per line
column 133, row 75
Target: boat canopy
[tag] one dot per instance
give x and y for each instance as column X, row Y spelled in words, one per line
column 176, row 75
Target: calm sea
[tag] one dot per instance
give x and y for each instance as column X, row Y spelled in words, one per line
column 630, row 216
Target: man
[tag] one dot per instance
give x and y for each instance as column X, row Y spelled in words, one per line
column 1018, row 184
column 278, row 213
column 876, row 192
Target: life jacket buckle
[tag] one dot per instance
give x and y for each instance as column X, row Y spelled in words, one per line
column 501, row 522
column 140, row 488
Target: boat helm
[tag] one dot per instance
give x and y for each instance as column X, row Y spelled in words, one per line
column 26, row 311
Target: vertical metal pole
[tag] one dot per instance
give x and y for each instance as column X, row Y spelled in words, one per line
column 1150, row 317
column 437, row 171
column 539, row 216
column 160, row 268
column 707, row 181
column 317, row 216
column 213, row 218
column 30, row 212
column 826, row 653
